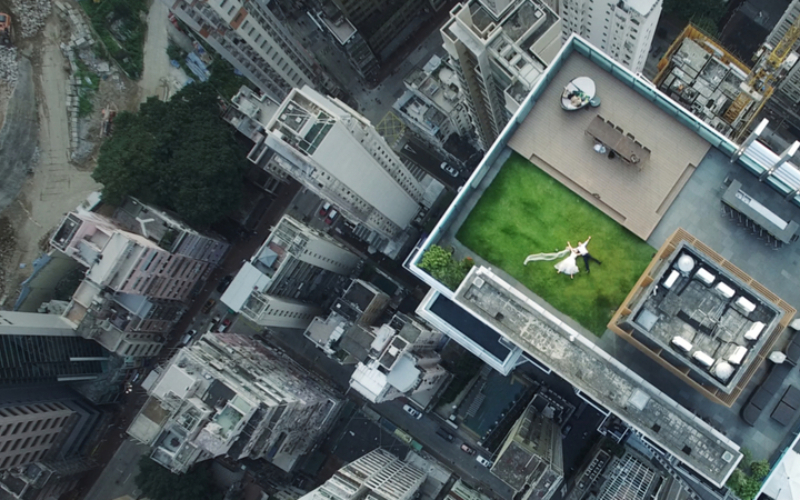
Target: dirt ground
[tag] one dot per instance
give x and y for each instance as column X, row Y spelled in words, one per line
column 56, row 184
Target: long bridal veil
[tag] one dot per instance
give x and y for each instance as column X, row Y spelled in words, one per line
column 546, row 256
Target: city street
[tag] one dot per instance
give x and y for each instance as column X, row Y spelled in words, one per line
column 423, row 430
column 375, row 102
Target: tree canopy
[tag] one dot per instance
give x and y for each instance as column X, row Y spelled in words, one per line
column 442, row 266
column 178, row 155
column 157, row 483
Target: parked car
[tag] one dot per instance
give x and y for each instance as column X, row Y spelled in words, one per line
column 485, row 462
column 442, row 433
column 214, row 322
column 450, row 170
column 323, row 211
column 208, row 305
column 185, row 339
column 226, row 323
column 224, row 283
column 466, row 449
column 331, row 217
column 566, row 430
column 413, row 412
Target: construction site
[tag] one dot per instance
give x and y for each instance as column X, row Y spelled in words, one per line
column 58, row 97
column 701, row 75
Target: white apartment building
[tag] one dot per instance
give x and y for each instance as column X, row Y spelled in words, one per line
column 231, row 395
column 249, row 36
column 789, row 86
column 499, row 48
column 291, row 278
column 401, row 363
column 376, row 475
column 432, row 104
column 337, row 154
column 624, row 29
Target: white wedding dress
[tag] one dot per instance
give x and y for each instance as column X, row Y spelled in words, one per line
column 568, row 265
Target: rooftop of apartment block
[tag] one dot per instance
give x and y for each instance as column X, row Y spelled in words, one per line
column 679, row 186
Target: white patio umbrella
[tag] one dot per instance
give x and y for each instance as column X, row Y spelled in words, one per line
column 784, row 482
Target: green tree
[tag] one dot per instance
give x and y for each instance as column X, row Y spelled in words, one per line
column 745, row 485
column 178, row 155
column 157, row 483
column 441, row 265
column 759, row 470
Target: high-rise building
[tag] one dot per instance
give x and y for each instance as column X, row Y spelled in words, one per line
column 142, row 267
column 294, row 276
column 401, row 362
column 44, row 422
column 337, row 154
column 531, row 459
column 27, row 431
column 789, row 86
column 346, row 35
column 250, row 37
column 376, row 475
column 231, row 395
column 623, row 29
column 126, row 262
column 432, row 104
column 499, row 48
column 41, row 348
column 386, row 24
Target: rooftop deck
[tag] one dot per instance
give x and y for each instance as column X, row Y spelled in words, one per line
column 555, row 140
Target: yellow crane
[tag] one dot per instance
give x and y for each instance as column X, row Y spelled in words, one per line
column 759, row 84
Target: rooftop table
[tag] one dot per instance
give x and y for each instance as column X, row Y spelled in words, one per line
column 746, row 205
column 626, row 147
column 577, row 93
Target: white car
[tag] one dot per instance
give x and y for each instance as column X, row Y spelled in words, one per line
column 413, row 412
column 486, row 463
column 450, row 170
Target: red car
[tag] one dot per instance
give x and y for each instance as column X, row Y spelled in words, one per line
column 226, row 323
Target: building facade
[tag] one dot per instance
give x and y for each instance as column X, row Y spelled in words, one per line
column 378, row 474
column 42, row 348
column 143, row 266
column 249, row 36
column 401, row 362
column 231, row 395
column 432, row 104
column 27, row 431
column 385, row 24
column 789, row 86
column 531, row 459
column 294, row 276
column 499, row 49
column 337, row 154
column 624, row 29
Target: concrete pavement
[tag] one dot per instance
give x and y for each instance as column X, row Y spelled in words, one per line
column 118, row 476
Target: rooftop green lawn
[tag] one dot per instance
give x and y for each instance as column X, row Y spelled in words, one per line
column 525, row 211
